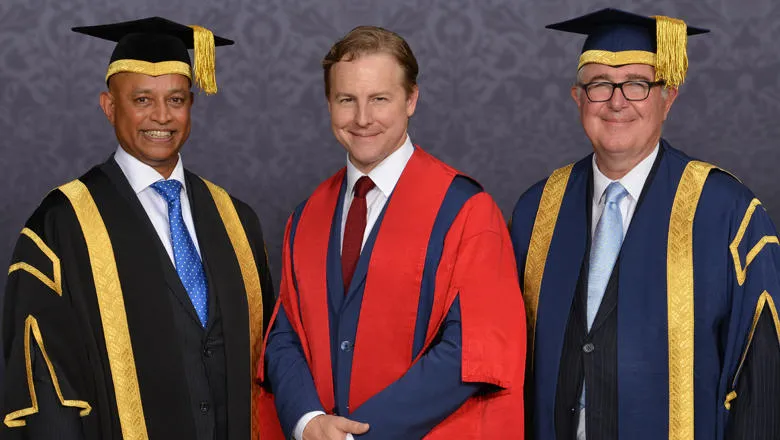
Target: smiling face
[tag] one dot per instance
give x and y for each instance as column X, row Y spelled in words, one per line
column 618, row 128
column 369, row 107
column 150, row 115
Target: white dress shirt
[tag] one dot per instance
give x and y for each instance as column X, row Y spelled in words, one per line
column 141, row 176
column 385, row 176
column 633, row 182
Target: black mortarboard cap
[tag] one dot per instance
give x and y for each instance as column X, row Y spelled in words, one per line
column 156, row 46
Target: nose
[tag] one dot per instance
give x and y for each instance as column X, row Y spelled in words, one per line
column 161, row 114
column 618, row 100
column 363, row 116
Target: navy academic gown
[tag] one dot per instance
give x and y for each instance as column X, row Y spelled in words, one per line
column 730, row 346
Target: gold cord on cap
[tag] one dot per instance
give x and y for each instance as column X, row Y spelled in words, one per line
column 204, row 63
column 671, row 61
column 147, row 68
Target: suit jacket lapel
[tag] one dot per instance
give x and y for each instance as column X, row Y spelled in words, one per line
column 334, row 273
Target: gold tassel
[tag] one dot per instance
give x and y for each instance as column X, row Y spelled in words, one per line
column 671, row 62
column 205, row 61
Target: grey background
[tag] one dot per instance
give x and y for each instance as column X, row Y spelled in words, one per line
column 494, row 98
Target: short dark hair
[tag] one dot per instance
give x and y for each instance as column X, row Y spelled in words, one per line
column 365, row 40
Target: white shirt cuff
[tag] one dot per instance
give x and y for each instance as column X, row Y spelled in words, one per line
column 304, row 420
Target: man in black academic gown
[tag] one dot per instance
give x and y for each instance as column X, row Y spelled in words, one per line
column 138, row 293
column 648, row 276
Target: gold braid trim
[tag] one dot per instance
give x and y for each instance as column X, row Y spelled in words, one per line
column 16, row 419
column 112, row 311
column 252, row 286
column 616, row 58
column 147, row 68
column 740, row 270
column 680, row 305
column 539, row 246
column 54, row 284
column 765, row 300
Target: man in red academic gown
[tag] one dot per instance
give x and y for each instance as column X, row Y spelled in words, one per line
column 400, row 313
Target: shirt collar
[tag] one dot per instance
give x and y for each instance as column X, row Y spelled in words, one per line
column 386, row 174
column 141, row 175
column 633, row 181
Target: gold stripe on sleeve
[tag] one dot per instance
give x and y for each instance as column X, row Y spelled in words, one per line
column 765, row 300
column 16, row 418
column 741, row 271
column 54, row 284
column 112, row 311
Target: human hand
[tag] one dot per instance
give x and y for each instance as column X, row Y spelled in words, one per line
column 326, row 427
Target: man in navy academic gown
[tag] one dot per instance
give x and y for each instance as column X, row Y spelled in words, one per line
column 648, row 276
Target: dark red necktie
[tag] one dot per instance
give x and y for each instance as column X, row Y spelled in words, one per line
column 354, row 230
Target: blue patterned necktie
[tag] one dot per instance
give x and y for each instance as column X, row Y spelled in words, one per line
column 605, row 248
column 188, row 264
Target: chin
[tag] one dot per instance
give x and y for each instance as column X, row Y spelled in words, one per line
column 366, row 160
column 614, row 148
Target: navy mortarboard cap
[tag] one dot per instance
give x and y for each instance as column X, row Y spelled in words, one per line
column 616, row 38
column 155, row 46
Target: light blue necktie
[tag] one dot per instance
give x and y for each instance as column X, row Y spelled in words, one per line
column 605, row 248
column 188, row 264
column 603, row 252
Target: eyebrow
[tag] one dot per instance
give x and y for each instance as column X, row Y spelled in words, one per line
column 350, row 95
column 638, row 77
column 603, row 77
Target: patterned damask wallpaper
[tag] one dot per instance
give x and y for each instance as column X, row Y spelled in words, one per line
column 494, row 96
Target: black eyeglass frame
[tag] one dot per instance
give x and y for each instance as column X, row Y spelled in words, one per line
column 648, row 84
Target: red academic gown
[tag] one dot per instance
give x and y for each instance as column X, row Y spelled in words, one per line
column 476, row 267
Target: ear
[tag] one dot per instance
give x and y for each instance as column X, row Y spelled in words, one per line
column 411, row 101
column 107, row 104
column 671, row 95
column 576, row 92
column 192, row 99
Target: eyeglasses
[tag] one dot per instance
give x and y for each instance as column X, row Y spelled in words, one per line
column 602, row 91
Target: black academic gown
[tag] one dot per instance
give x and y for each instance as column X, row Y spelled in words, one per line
column 71, row 369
